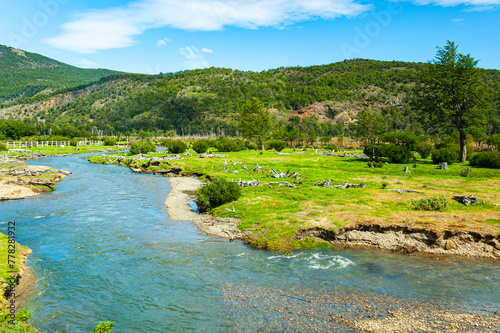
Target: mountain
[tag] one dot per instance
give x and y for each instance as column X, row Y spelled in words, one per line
column 324, row 99
column 24, row 74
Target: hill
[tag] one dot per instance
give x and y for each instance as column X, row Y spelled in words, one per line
column 25, row 74
column 322, row 99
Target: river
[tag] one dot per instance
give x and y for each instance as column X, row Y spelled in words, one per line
column 104, row 249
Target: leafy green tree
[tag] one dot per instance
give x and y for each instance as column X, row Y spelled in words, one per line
column 369, row 126
column 254, row 121
column 450, row 96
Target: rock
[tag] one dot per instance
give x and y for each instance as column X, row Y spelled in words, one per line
column 449, row 245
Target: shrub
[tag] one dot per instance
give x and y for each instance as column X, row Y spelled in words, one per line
column 396, row 153
column 142, row 147
column 330, row 146
column 252, row 146
column 277, row 145
column 74, row 142
column 217, row 193
column 200, row 146
column 486, row 159
column 176, row 146
column 373, row 152
column 103, row 327
column 224, row 144
column 435, row 203
column 109, row 141
column 424, row 149
column 375, row 164
column 446, row 154
column 3, row 147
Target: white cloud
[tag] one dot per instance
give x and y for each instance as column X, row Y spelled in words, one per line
column 84, row 63
column 116, row 27
column 207, row 50
column 452, row 3
column 163, row 42
column 480, row 9
column 194, row 57
column 458, row 21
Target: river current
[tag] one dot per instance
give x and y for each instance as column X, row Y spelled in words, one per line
column 104, row 249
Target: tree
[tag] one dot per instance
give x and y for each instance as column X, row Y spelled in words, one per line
column 369, row 126
column 254, row 121
column 449, row 95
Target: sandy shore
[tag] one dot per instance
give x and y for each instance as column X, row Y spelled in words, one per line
column 178, row 208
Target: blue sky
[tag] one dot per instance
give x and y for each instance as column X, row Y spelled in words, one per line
column 152, row 36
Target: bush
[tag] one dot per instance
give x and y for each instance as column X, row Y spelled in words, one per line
column 103, row 327
column 375, row 164
column 330, row 146
column 225, row 145
column 252, row 146
column 373, row 152
column 3, row 147
column 446, row 154
column 142, row 147
column 486, row 159
column 277, row 145
column 109, row 142
column 217, row 193
column 176, row 146
column 424, row 149
column 200, row 146
column 74, row 142
column 396, row 153
column 435, row 203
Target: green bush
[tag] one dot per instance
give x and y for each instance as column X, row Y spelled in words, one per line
column 103, row 327
column 109, row 142
column 217, row 193
column 447, row 154
column 330, row 146
column 486, row 159
column 435, row 203
column 142, row 147
column 225, row 145
column 200, row 146
column 277, row 145
column 424, row 149
column 373, row 152
column 396, row 153
column 177, row 147
column 252, row 146
column 3, row 147
column 375, row 164
column 74, row 142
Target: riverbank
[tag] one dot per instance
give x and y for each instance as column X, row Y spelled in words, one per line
column 19, row 180
column 395, row 238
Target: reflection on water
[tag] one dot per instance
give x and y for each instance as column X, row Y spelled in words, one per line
column 105, row 250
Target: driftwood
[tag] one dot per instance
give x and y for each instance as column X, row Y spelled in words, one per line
column 402, row 191
column 466, row 200
column 248, row 183
column 328, row 184
column 287, row 174
column 349, row 185
column 282, row 183
column 211, row 155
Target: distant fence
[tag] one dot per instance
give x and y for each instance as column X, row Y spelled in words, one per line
column 32, row 144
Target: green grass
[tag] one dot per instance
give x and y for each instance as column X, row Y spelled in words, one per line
column 275, row 213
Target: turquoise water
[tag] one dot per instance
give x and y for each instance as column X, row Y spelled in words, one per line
column 104, row 249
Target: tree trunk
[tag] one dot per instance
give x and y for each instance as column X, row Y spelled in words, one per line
column 463, row 146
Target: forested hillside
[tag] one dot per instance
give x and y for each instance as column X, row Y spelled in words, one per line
column 322, row 99
column 24, row 74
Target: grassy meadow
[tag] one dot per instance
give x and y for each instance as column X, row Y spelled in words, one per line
column 274, row 213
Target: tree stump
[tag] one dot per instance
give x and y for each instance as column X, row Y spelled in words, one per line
column 443, row 166
column 407, row 170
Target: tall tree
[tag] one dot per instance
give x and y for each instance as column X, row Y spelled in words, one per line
column 450, row 96
column 369, row 126
column 254, row 121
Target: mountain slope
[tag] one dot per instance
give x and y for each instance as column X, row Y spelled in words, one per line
column 24, row 74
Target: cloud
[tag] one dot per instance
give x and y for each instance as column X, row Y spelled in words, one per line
column 84, row 63
column 458, row 21
column 207, row 50
column 163, row 42
column 453, row 3
column 480, row 9
column 194, row 57
column 111, row 28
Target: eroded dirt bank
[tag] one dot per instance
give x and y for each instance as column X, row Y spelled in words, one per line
column 409, row 239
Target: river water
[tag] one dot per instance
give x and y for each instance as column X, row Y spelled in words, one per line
column 104, row 249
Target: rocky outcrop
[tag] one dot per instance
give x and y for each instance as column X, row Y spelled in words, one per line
column 407, row 239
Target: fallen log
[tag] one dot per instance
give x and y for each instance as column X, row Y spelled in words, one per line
column 466, row 200
column 287, row 174
column 282, row 183
column 248, row 183
column 402, row 191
